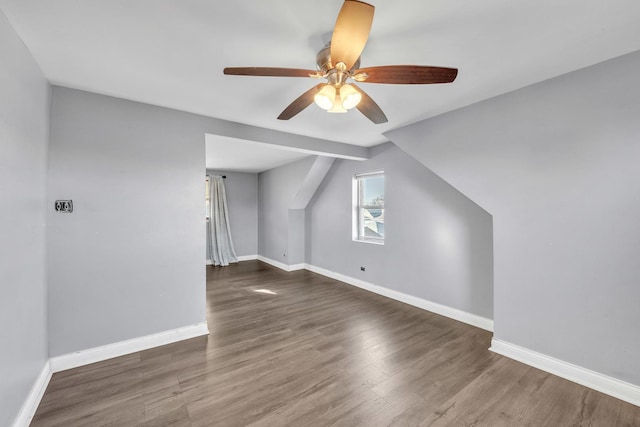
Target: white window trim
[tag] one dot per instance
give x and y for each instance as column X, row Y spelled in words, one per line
column 355, row 225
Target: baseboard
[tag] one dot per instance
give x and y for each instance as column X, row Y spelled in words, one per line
column 98, row 354
column 240, row 259
column 34, row 397
column 588, row 378
column 296, row 267
column 281, row 265
column 443, row 310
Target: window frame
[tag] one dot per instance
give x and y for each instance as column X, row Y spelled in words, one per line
column 357, row 207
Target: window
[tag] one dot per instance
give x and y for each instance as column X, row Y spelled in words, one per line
column 368, row 221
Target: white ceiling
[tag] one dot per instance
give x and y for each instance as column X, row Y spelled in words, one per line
column 171, row 53
column 237, row 155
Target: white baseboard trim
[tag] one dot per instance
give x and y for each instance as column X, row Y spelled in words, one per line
column 453, row 313
column 240, row 259
column 34, row 397
column 586, row 377
column 296, row 267
column 281, row 265
column 98, row 354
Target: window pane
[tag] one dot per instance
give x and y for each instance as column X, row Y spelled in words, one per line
column 373, row 191
column 370, row 208
column 373, row 223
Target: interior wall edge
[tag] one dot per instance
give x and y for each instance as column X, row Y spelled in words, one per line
column 281, row 265
column 31, row 403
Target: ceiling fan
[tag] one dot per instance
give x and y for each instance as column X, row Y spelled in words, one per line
column 339, row 61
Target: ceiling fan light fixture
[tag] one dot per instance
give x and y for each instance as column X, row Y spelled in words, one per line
column 349, row 96
column 325, row 97
column 338, row 107
column 339, row 61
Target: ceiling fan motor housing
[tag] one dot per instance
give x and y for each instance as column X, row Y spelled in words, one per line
column 324, row 63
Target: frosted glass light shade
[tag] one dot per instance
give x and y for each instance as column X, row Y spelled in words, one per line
column 325, row 97
column 349, row 96
column 337, row 104
column 337, row 108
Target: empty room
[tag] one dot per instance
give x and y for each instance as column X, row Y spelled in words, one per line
column 410, row 213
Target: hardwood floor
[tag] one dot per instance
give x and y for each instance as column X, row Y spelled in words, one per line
column 298, row 349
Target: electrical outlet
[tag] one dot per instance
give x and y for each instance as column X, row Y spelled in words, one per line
column 65, row 206
column 362, row 269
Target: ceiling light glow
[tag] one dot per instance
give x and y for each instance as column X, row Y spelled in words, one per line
column 325, row 97
column 350, row 96
column 337, row 104
column 335, row 100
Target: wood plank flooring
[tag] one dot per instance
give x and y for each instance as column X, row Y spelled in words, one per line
column 298, row 349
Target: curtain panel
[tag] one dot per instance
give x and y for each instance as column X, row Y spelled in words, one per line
column 218, row 229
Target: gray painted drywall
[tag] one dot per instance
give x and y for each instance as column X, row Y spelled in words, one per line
column 242, row 200
column 24, row 137
column 314, row 178
column 279, row 139
column 438, row 244
column 277, row 189
column 297, row 236
column 557, row 165
column 128, row 261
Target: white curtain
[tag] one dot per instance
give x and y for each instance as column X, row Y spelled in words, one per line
column 219, row 233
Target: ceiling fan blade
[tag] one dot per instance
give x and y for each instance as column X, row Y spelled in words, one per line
column 269, row 72
column 409, row 74
column 351, row 32
column 369, row 108
column 302, row 102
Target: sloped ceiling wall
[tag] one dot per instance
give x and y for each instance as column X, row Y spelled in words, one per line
column 556, row 164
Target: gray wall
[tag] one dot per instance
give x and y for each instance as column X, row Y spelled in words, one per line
column 128, row 261
column 297, row 236
column 438, row 244
column 556, row 164
column 277, row 189
column 24, row 128
column 242, row 201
